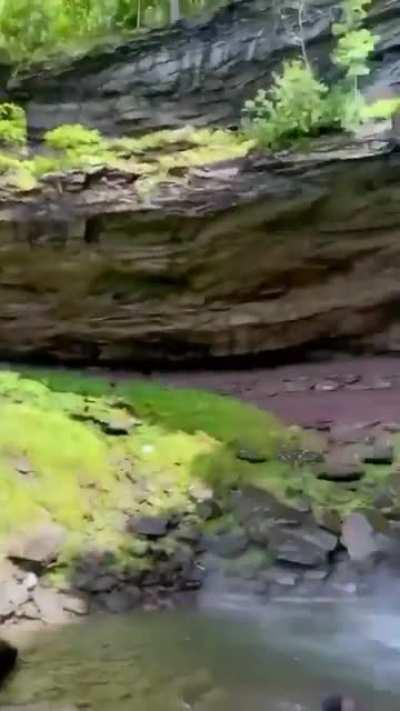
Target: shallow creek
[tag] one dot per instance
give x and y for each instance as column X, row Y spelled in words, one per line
column 228, row 655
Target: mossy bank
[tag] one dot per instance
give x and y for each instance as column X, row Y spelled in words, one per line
column 116, row 496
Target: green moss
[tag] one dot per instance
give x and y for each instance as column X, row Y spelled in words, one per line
column 162, row 156
column 13, row 129
column 382, row 109
column 73, row 136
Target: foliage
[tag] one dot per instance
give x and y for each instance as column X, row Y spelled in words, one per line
column 73, row 136
column 13, row 128
column 293, row 107
column 354, row 45
column 33, row 29
column 299, row 104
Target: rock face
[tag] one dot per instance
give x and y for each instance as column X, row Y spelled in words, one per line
column 198, row 73
column 252, row 256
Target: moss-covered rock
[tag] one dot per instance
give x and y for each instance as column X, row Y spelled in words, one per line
column 117, row 490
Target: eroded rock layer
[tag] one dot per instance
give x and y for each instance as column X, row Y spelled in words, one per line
column 246, row 257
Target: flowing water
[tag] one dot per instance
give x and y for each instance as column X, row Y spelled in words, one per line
column 230, row 655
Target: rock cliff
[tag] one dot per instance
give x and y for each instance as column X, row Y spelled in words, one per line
column 250, row 256
column 198, row 73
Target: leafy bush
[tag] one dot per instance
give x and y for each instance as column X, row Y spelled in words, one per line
column 299, row 104
column 293, row 107
column 12, row 124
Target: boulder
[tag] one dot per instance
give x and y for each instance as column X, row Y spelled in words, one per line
column 358, row 537
column 308, row 546
column 40, row 546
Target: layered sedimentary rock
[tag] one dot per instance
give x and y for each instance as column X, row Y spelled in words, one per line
column 246, row 257
column 198, row 73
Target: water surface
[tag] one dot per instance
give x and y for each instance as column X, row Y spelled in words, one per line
column 231, row 656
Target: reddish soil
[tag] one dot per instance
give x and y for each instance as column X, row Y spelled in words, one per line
column 365, row 389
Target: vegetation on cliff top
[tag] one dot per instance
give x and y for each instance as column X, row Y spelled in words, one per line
column 33, row 30
column 300, row 103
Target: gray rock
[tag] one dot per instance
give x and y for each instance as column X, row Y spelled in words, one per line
column 380, row 453
column 151, row 526
column 251, row 456
column 50, row 605
column 103, row 583
column 340, row 470
column 280, row 576
column 77, row 604
column 307, row 546
column 316, row 575
column 119, row 601
column 350, row 433
column 230, row 545
column 358, row 536
column 42, row 545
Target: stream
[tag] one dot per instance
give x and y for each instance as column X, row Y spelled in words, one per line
column 230, row 655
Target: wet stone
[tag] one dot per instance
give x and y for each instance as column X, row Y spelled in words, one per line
column 392, row 427
column 103, row 583
column 251, row 456
column 358, row 537
column 316, row 575
column 151, row 526
column 119, row 601
column 327, row 386
column 280, row 576
column 229, row 545
column 380, row 453
column 338, row 470
column 349, row 434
